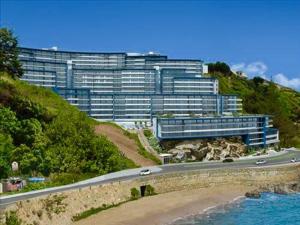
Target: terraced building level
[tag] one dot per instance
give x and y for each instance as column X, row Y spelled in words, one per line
column 130, row 87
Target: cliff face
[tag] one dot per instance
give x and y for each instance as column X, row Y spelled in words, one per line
column 206, row 150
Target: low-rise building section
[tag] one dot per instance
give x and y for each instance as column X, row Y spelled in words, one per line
column 254, row 129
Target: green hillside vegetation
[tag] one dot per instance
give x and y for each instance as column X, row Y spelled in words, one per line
column 264, row 97
column 43, row 133
column 47, row 136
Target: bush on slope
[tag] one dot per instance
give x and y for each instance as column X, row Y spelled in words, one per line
column 46, row 135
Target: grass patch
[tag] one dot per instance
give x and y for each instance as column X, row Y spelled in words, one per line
column 153, row 141
column 93, row 210
column 54, row 204
column 141, row 150
column 11, row 218
column 135, row 195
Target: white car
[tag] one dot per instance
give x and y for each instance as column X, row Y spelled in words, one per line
column 293, row 160
column 145, row 172
column 261, row 162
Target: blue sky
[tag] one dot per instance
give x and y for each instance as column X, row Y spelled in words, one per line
column 259, row 37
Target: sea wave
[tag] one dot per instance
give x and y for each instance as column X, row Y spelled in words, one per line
column 270, row 209
column 192, row 218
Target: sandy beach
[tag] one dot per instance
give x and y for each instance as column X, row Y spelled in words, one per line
column 165, row 208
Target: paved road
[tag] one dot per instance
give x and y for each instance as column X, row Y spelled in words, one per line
column 156, row 170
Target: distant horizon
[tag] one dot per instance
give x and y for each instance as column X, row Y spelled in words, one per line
column 259, row 38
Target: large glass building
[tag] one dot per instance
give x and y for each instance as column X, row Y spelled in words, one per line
column 256, row 130
column 128, row 87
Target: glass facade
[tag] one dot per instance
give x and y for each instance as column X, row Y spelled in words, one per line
column 127, row 87
column 130, row 87
column 256, row 130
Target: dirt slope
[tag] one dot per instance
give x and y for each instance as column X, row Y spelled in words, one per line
column 124, row 143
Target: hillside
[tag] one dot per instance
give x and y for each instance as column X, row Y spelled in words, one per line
column 264, row 97
column 49, row 137
column 126, row 145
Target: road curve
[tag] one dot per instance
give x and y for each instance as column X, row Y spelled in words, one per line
column 156, row 170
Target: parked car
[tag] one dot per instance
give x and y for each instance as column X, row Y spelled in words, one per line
column 261, row 162
column 226, row 160
column 145, row 172
column 293, row 160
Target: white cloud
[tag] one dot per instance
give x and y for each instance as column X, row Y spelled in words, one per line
column 285, row 81
column 251, row 69
column 238, row 67
column 259, row 69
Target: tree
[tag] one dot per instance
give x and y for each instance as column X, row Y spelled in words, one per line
column 9, row 61
column 30, row 130
column 8, row 121
column 74, row 147
column 258, row 80
column 6, row 148
column 25, row 157
column 220, row 67
column 26, row 109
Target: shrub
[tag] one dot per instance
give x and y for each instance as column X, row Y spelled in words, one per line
column 141, row 150
column 155, row 144
column 40, row 213
column 9, row 53
column 219, row 67
column 93, row 210
column 135, row 194
column 54, row 204
column 8, row 121
column 36, row 186
column 26, row 109
column 147, row 133
column 149, row 190
column 11, row 218
column 6, row 148
column 67, row 178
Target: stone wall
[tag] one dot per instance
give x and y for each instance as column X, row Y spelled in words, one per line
column 60, row 207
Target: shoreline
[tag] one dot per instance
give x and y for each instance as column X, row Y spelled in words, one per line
column 167, row 208
column 209, row 210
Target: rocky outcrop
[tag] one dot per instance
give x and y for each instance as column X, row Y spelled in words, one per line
column 201, row 153
column 207, row 150
column 181, row 153
column 282, row 189
column 253, row 194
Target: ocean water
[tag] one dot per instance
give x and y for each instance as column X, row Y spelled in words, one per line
column 270, row 209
